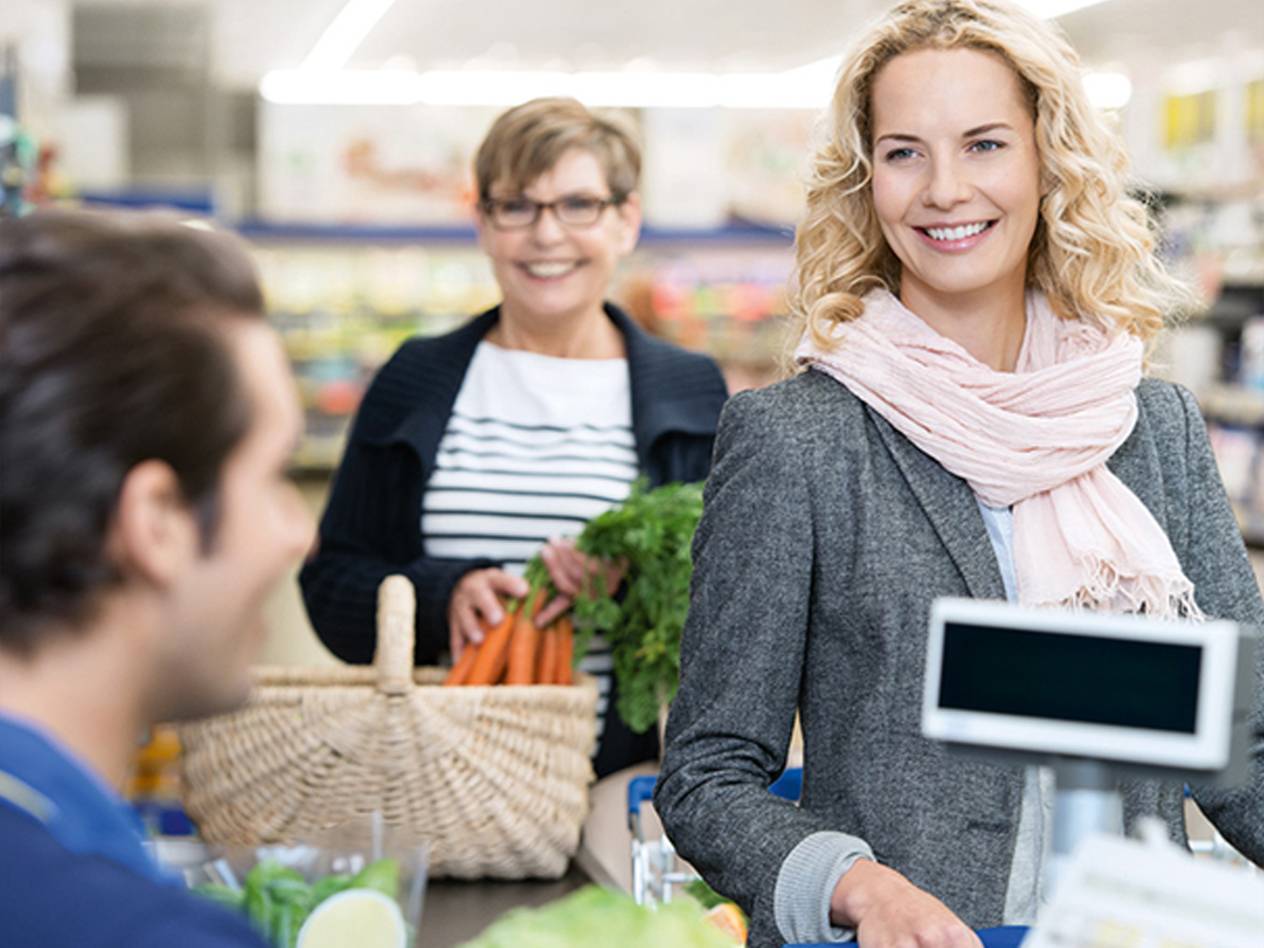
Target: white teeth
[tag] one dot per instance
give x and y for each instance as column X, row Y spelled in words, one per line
column 956, row 233
column 546, row 270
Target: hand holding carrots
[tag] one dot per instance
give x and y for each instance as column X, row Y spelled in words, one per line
column 516, row 640
column 571, row 571
column 516, row 652
column 477, row 604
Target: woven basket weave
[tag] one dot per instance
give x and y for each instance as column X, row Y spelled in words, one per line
column 495, row 778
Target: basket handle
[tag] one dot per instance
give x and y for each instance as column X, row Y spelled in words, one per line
column 396, row 631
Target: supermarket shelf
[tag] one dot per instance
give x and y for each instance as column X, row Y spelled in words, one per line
column 193, row 200
column 262, row 230
column 1233, row 405
column 1251, row 523
column 254, row 229
column 1252, row 532
column 201, row 201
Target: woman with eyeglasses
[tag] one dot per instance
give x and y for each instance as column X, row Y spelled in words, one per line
column 475, row 450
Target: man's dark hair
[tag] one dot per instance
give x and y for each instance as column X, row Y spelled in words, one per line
column 112, row 352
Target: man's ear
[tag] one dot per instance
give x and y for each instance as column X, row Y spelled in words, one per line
column 155, row 533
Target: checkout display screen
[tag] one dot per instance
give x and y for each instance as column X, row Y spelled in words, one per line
column 1081, row 678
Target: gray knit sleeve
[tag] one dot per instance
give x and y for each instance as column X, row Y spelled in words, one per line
column 806, row 883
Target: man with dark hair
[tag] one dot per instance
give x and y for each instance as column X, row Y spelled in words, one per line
column 147, row 417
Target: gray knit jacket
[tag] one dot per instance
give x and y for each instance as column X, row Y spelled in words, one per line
column 825, row 536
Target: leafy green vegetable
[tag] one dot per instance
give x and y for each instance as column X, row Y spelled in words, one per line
column 223, row 895
column 259, row 905
column 330, row 885
column 704, row 895
column 651, row 532
column 284, row 931
column 278, row 900
column 382, row 875
column 596, row 916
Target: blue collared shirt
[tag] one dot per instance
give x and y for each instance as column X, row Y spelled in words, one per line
column 84, row 815
column 73, row 870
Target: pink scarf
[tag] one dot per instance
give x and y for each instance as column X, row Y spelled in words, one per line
column 1036, row 439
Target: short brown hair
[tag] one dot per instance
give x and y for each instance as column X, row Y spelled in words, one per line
column 112, row 352
column 528, row 140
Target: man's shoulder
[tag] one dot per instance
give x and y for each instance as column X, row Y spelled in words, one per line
column 52, row 897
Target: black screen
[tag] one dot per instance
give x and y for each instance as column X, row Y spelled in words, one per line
column 1070, row 677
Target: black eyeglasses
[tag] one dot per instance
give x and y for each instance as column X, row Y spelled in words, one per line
column 574, row 210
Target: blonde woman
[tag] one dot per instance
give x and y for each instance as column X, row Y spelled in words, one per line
column 976, row 290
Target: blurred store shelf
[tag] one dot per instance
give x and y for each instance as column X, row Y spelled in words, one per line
column 262, row 230
column 1233, row 405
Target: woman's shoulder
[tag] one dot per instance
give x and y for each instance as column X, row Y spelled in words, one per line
column 806, row 398
column 1167, row 408
column 674, row 367
column 424, row 371
column 809, row 409
column 420, row 351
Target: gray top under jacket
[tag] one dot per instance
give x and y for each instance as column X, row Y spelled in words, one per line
column 825, row 536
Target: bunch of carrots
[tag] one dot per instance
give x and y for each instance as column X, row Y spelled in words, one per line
column 515, row 652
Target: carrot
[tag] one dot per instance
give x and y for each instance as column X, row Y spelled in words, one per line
column 546, row 666
column 563, row 674
column 461, row 670
column 493, row 654
column 524, row 645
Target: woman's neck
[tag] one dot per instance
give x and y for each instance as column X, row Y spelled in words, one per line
column 990, row 324
column 591, row 336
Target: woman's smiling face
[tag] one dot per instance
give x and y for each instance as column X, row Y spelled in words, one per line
column 550, row 272
column 956, row 174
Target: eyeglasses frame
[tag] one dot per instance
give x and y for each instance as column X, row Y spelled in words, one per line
column 488, row 207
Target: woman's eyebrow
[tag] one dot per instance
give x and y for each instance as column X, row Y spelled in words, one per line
column 984, row 129
column 968, row 133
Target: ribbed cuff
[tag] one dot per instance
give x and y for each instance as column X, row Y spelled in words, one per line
column 806, row 883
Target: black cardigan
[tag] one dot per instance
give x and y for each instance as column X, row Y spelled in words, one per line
column 372, row 525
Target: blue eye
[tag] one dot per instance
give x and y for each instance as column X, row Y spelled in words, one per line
column 987, row 144
column 898, row 154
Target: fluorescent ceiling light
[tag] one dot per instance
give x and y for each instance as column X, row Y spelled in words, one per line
column 1049, row 9
column 342, row 87
column 1107, row 90
column 345, row 33
column 1190, row 78
column 322, row 81
column 795, row 89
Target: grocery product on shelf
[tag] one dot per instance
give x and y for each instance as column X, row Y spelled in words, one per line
column 153, row 787
column 343, row 310
column 727, row 302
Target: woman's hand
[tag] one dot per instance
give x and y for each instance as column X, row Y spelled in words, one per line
column 476, row 605
column 572, row 571
column 888, row 911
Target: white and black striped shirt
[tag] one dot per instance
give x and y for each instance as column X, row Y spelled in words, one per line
column 536, row 446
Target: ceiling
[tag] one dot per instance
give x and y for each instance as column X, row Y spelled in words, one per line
column 250, row 37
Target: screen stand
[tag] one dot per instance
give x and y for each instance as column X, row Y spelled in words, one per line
column 1087, row 803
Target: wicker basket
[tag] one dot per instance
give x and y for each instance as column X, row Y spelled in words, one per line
column 495, row 778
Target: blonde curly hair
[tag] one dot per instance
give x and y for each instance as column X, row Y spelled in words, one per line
column 1093, row 249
